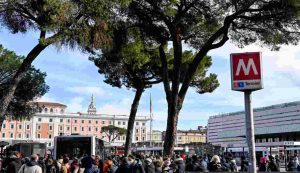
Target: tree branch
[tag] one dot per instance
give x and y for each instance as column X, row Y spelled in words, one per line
column 164, row 70
column 154, row 82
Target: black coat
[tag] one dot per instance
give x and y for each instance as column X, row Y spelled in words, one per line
column 14, row 165
column 123, row 169
column 181, row 165
column 149, row 168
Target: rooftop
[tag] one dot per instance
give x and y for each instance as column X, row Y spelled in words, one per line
column 50, row 104
column 276, row 106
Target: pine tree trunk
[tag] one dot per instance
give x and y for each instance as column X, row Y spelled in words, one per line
column 173, row 99
column 134, row 107
column 170, row 136
column 2, row 118
column 8, row 96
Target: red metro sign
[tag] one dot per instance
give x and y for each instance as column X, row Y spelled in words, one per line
column 246, row 71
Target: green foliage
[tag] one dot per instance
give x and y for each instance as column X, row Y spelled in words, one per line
column 31, row 86
column 129, row 62
column 77, row 24
column 9, row 63
column 112, row 132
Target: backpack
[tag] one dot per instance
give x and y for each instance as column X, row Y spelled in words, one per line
column 112, row 169
column 53, row 169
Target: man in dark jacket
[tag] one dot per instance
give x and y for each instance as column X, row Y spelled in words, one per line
column 124, row 167
column 180, row 164
column 149, row 166
column 15, row 163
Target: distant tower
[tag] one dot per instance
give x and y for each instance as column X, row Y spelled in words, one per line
column 92, row 108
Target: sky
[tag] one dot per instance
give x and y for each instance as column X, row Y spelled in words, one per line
column 73, row 79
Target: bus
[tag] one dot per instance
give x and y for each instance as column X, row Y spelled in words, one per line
column 75, row 146
column 26, row 149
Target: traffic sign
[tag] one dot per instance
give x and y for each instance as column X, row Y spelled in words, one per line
column 246, row 71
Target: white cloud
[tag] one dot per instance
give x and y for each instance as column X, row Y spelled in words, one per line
column 120, row 107
column 76, row 105
column 87, row 90
column 47, row 98
column 113, row 109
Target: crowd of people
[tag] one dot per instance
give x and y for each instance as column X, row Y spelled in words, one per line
column 139, row 164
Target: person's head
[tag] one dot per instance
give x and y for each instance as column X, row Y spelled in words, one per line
column 50, row 162
column 34, row 158
column 17, row 154
column 194, row 157
column 215, row 159
column 125, row 161
column 131, row 158
column 66, row 160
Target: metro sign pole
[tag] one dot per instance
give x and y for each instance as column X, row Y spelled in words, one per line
column 246, row 76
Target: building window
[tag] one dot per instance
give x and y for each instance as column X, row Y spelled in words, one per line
column 124, row 123
column 143, row 139
column 39, row 135
column 110, row 122
column 50, row 120
column 96, row 129
column 68, row 120
column 82, row 121
column 19, row 135
column 136, row 138
column 119, row 138
column 61, row 120
column 39, row 127
column 50, row 136
column 68, row 128
column 137, row 130
column 124, row 138
column 50, row 128
column 144, row 124
column 27, row 127
column 90, row 129
column 75, row 121
column 103, row 122
column 3, row 135
column 11, row 135
column 61, row 111
column 11, row 126
column 119, row 123
column 27, row 135
column 60, row 128
column 82, row 128
column 96, row 122
column 143, row 130
column 51, row 110
column 75, row 129
column 90, row 121
column 3, row 126
column 137, row 123
column 40, row 119
column 20, row 126
column 46, row 110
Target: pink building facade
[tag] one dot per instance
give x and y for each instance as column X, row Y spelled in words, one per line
column 53, row 120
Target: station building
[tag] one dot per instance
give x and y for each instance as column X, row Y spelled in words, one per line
column 277, row 130
column 52, row 120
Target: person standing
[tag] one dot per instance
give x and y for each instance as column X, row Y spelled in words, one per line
column 65, row 167
column 149, row 166
column 32, row 166
column 15, row 163
column 180, row 164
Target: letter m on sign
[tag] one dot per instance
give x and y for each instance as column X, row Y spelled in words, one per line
column 246, row 66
